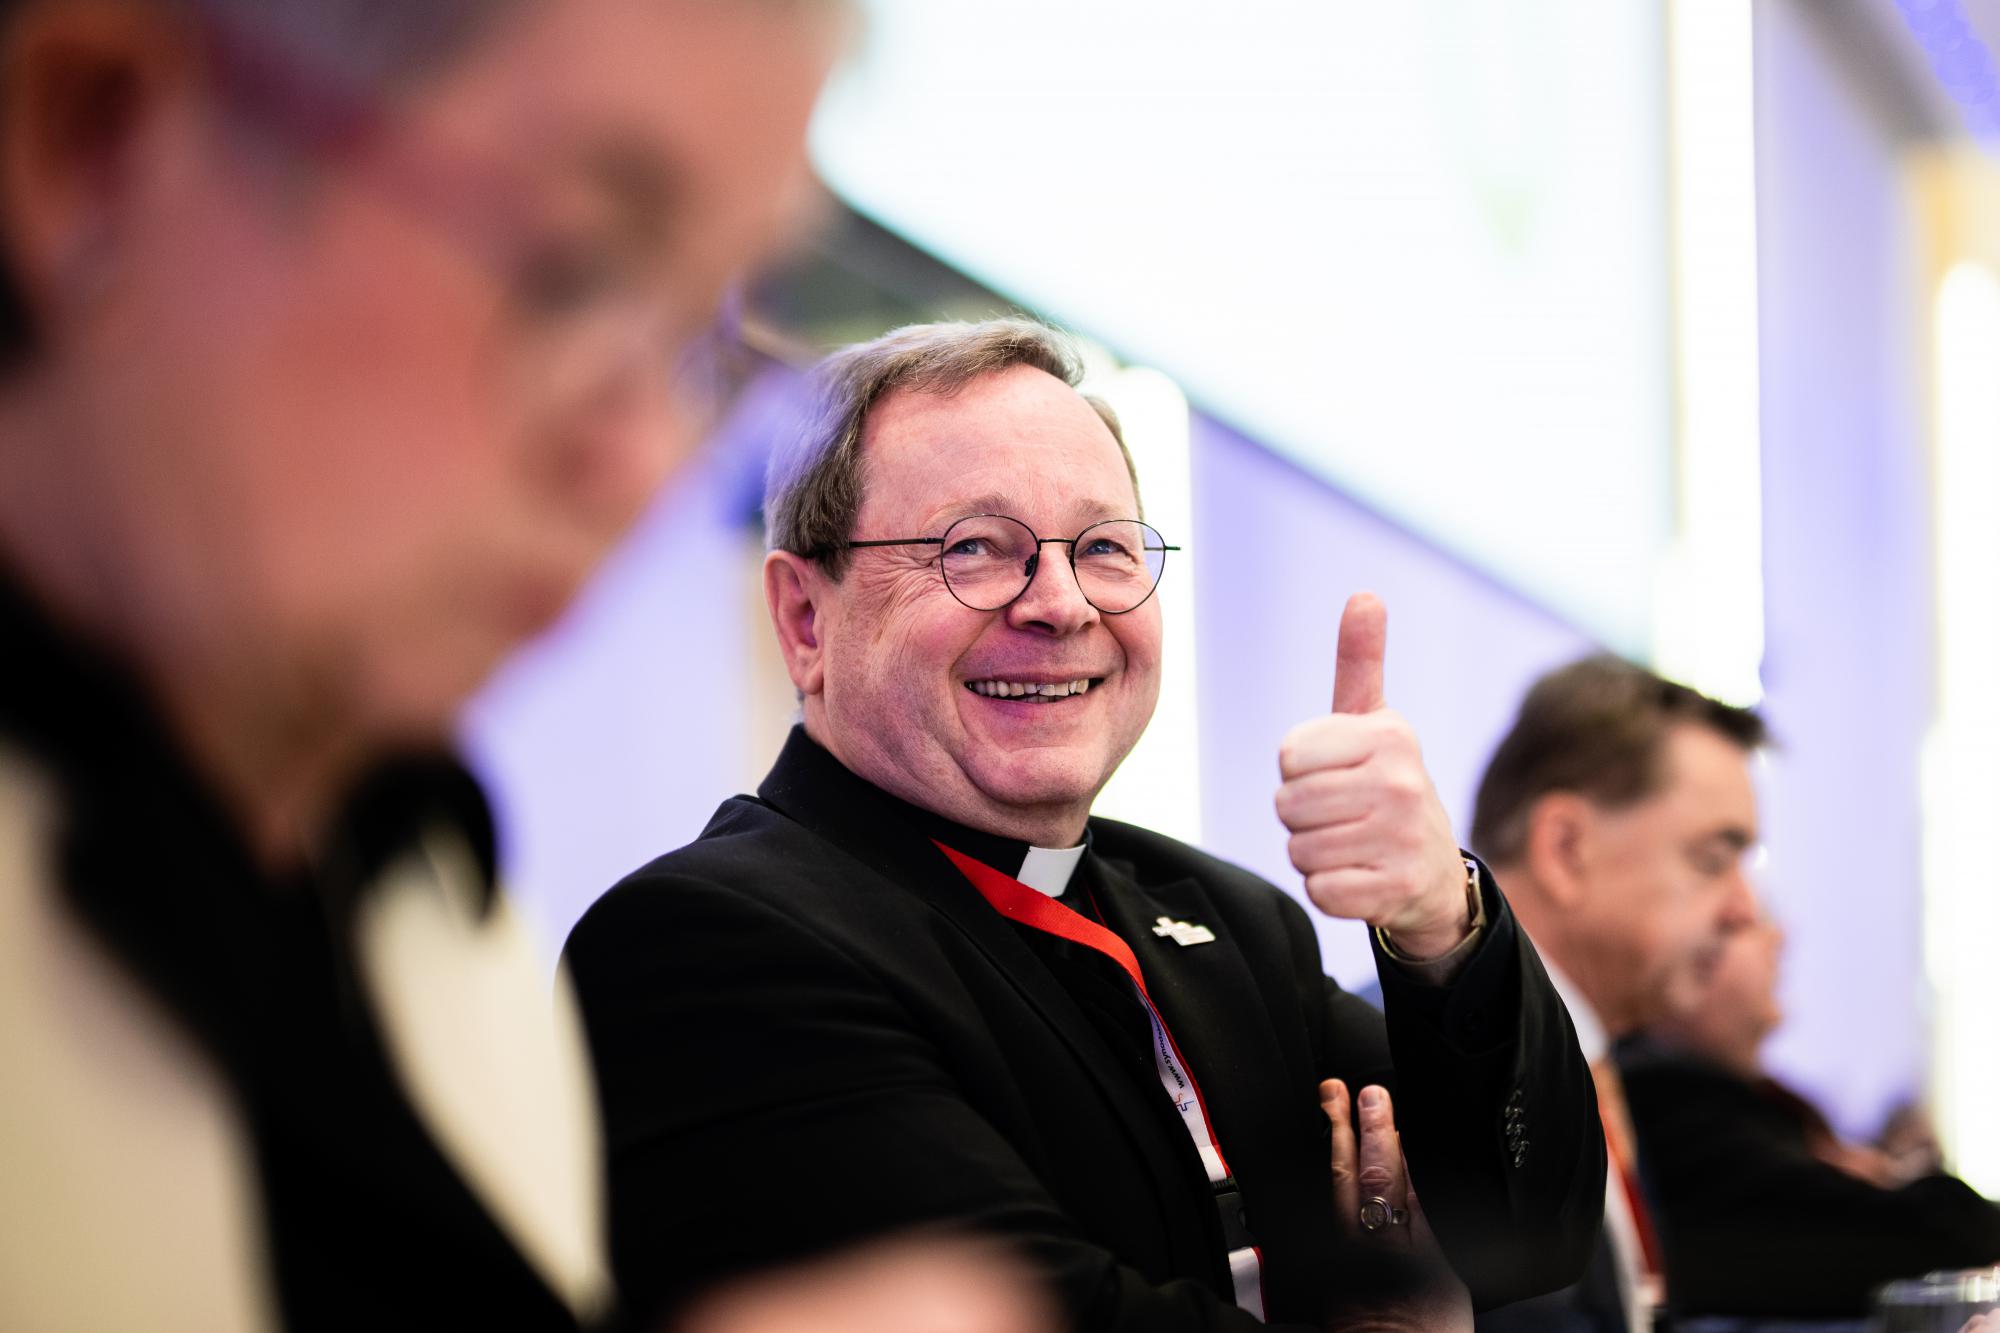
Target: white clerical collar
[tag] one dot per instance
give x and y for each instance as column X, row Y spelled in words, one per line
column 1591, row 1038
column 1048, row 869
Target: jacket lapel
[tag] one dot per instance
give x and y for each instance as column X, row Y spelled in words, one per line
column 811, row 787
column 1208, row 998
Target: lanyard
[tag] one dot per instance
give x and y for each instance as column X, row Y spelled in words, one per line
column 1648, row 1281
column 1025, row 906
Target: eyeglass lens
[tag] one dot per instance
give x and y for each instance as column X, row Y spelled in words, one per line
column 989, row 560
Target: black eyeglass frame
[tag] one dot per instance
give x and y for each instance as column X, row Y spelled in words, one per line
column 1034, row 561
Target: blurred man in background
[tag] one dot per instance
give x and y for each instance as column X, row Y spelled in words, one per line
column 913, row 981
column 339, row 343
column 1616, row 814
column 1764, row 1209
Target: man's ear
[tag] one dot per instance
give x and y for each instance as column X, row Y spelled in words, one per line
column 82, row 85
column 1557, row 851
column 793, row 587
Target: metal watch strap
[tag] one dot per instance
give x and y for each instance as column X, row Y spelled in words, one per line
column 1475, row 912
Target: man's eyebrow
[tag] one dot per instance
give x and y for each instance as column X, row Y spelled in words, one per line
column 989, row 503
column 1096, row 511
column 1090, row 511
column 1737, row 838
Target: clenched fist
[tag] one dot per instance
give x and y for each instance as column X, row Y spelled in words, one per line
column 1368, row 831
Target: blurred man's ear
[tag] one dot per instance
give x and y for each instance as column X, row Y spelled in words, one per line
column 792, row 585
column 83, row 84
column 1556, row 851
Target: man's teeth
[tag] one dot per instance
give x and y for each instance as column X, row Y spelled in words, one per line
column 1015, row 689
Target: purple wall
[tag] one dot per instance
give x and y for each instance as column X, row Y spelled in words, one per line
column 1848, row 661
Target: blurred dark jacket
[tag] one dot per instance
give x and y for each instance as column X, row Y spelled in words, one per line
column 1592, row 1305
column 226, row 1110
column 1755, row 1224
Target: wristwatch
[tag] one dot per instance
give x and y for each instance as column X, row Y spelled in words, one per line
column 1441, row 969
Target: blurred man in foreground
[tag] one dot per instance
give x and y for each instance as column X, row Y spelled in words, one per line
column 1763, row 1208
column 1616, row 814
column 339, row 342
column 912, row 981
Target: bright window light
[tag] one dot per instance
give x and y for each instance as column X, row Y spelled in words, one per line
column 1157, row 784
column 1961, row 775
column 1710, row 630
column 1419, row 249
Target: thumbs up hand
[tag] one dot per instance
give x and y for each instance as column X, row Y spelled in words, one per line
column 1368, row 831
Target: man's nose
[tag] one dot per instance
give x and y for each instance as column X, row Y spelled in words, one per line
column 1739, row 908
column 1053, row 600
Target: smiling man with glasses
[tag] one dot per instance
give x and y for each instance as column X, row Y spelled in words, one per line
column 914, row 982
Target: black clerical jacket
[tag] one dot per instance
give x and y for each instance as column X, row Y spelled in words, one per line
column 810, row 1029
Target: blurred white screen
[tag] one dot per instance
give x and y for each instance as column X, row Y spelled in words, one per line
column 1420, row 249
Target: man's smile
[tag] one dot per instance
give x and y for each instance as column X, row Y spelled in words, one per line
column 1032, row 691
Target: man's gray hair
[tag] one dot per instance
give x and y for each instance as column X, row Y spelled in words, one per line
column 812, row 492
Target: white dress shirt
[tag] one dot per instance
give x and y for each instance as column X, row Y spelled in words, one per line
column 1638, row 1292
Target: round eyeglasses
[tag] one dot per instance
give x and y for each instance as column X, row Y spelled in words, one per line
column 988, row 560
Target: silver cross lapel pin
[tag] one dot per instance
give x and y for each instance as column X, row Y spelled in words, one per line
column 1183, row 933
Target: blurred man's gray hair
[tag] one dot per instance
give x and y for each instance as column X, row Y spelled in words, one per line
column 367, row 41
column 812, row 492
column 364, row 46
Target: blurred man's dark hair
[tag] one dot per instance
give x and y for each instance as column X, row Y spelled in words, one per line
column 1596, row 728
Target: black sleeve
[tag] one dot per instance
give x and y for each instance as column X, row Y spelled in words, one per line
column 767, row 1099
column 1754, row 1224
column 1497, row 1111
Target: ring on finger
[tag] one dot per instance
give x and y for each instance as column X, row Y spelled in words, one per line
column 1377, row 1215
